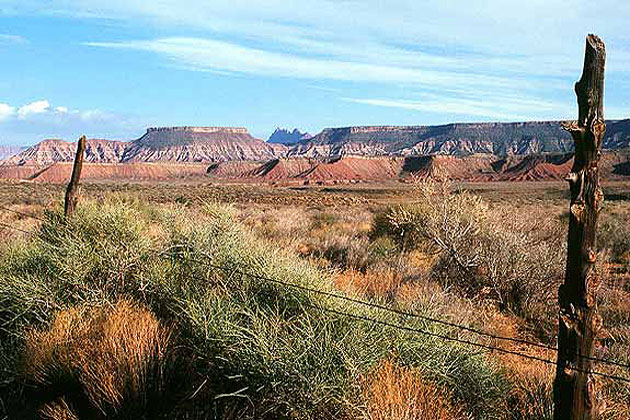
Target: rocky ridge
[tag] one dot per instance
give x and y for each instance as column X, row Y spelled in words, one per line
column 484, row 151
column 284, row 136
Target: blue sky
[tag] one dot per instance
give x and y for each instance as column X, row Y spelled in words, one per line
column 111, row 68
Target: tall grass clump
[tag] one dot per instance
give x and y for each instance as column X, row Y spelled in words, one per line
column 100, row 361
column 400, row 393
column 243, row 343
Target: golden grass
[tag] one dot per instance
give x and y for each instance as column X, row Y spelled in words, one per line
column 392, row 392
column 57, row 410
column 113, row 353
column 384, row 283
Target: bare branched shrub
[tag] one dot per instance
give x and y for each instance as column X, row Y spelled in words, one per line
column 482, row 252
column 400, row 393
column 115, row 356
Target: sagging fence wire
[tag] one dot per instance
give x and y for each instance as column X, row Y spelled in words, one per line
column 22, row 213
column 8, row 226
column 168, row 254
column 412, row 315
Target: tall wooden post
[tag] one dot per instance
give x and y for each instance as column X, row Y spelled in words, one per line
column 575, row 393
column 72, row 192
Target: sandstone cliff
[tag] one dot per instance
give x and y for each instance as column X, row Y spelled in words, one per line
column 199, row 144
column 50, row 151
column 500, row 139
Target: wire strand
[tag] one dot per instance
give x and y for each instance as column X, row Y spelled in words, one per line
column 410, row 314
column 462, row 341
column 28, row 232
column 21, row 213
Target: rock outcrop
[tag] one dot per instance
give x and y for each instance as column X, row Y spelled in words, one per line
column 284, row 136
column 475, row 168
column 475, row 152
column 500, row 139
column 51, row 151
column 199, row 144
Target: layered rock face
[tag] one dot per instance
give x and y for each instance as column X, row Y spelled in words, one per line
column 476, row 168
column 199, row 144
column 485, row 151
column 50, row 151
column 452, row 139
column 172, row 144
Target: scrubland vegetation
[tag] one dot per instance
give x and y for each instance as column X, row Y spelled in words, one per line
column 121, row 312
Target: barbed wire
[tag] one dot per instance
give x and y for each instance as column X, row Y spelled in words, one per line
column 28, row 232
column 21, row 213
column 408, row 314
column 462, row 341
column 404, row 313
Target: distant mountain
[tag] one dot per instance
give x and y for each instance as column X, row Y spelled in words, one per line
column 222, row 144
column 8, row 151
column 50, row 151
column 199, row 144
column 284, row 136
column 500, row 139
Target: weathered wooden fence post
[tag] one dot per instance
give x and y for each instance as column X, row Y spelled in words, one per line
column 575, row 394
column 72, row 193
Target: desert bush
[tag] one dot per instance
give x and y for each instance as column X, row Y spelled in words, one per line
column 382, row 284
column 481, row 252
column 531, row 394
column 103, row 361
column 255, row 348
column 614, row 231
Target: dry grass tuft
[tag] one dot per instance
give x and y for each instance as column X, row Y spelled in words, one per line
column 115, row 355
column 57, row 410
column 383, row 283
column 400, row 393
column 531, row 391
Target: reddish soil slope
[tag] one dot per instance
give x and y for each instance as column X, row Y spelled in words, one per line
column 60, row 172
column 614, row 165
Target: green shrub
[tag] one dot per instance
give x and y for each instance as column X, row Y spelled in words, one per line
column 252, row 348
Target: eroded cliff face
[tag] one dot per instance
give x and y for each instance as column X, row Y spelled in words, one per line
column 500, row 139
column 287, row 137
column 200, row 144
column 51, row 151
column 168, row 144
column 223, row 144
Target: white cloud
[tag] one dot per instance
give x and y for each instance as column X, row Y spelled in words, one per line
column 486, row 49
column 6, row 111
column 34, row 121
column 37, row 107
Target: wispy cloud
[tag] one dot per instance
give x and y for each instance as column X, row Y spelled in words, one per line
column 511, row 109
column 8, row 39
column 209, row 54
column 489, row 59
